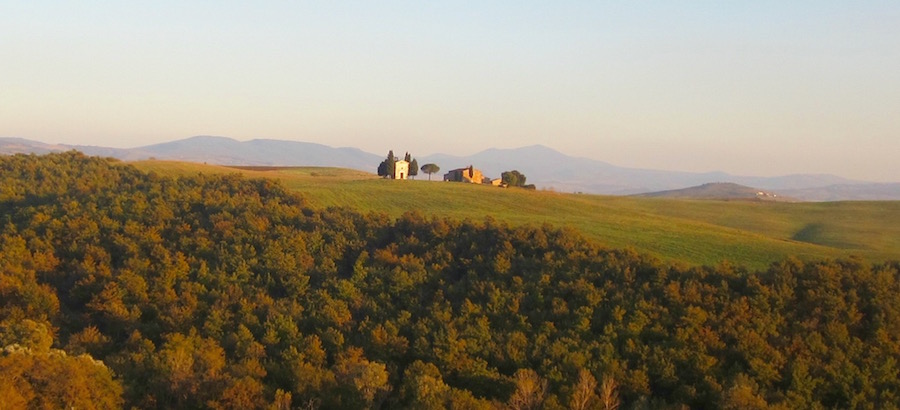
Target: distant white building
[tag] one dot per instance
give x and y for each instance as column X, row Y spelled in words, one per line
column 401, row 169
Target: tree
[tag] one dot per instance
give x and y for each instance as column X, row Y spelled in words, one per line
column 386, row 167
column 530, row 390
column 584, row 393
column 430, row 169
column 413, row 165
column 513, row 178
column 414, row 168
column 743, row 395
column 609, row 394
column 423, row 387
column 32, row 375
column 366, row 379
column 55, row 380
column 191, row 368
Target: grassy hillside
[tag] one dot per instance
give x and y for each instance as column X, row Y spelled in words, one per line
column 720, row 191
column 125, row 289
column 753, row 234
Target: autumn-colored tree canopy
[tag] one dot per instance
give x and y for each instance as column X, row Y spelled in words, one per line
column 223, row 292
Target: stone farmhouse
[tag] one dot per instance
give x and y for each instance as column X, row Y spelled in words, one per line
column 468, row 174
column 471, row 175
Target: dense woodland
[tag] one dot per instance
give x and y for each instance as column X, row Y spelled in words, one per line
column 120, row 288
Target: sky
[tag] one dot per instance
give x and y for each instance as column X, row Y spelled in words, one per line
column 751, row 88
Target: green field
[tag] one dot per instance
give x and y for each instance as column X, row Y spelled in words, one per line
column 752, row 234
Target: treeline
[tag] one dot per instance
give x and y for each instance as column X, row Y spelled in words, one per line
column 120, row 288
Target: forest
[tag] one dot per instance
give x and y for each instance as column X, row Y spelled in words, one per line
column 121, row 288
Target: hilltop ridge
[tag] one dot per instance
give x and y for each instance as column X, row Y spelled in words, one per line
column 720, row 191
column 544, row 166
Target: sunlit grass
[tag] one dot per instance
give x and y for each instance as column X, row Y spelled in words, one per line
column 753, row 234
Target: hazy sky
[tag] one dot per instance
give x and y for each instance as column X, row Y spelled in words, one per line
column 755, row 87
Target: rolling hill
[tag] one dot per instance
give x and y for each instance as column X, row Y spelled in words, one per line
column 543, row 166
column 847, row 192
column 9, row 146
column 551, row 168
column 226, row 151
column 720, row 191
column 217, row 150
column 131, row 289
column 750, row 233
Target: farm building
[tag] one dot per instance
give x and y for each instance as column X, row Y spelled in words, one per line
column 468, row 174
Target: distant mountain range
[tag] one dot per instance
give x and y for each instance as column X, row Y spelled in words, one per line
column 543, row 166
column 550, row 169
column 217, row 150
